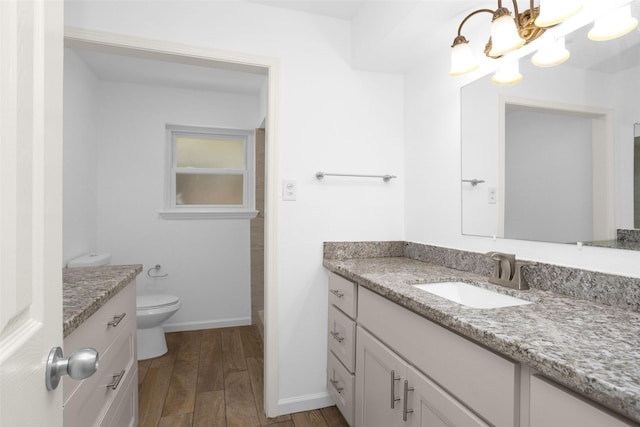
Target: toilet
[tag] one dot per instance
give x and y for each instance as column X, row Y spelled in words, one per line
column 151, row 311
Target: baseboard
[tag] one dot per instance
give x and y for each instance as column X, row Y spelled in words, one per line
column 304, row 403
column 210, row 324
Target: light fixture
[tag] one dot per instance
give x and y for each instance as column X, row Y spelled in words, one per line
column 553, row 12
column 508, row 74
column 551, row 54
column 615, row 24
column 508, row 33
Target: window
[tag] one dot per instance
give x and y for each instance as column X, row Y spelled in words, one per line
column 209, row 173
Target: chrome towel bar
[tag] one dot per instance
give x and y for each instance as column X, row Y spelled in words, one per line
column 385, row 178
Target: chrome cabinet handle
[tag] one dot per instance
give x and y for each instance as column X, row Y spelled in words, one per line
column 336, row 336
column 334, row 383
column 406, row 411
column 116, row 320
column 116, row 380
column 80, row 365
column 336, row 293
column 394, row 399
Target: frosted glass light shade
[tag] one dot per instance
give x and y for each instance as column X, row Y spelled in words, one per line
column 551, row 55
column 504, row 36
column 553, row 12
column 462, row 59
column 507, row 74
column 613, row 25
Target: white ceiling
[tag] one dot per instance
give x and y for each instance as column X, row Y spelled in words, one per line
column 341, row 9
column 388, row 36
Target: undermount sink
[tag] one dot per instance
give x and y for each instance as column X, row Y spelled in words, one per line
column 471, row 296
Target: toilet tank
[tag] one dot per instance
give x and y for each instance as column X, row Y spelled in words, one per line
column 90, row 260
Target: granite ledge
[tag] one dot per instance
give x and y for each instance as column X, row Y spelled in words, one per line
column 86, row 289
column 587, row 347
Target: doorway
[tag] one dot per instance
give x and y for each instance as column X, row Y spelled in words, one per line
column 192, row 56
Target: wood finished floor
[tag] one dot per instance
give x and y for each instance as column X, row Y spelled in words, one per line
column 214, row 377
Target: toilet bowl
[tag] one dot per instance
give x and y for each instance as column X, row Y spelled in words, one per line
column 151, row 311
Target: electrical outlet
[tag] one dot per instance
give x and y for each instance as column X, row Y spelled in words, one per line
column 289, row 190
column 492, row 195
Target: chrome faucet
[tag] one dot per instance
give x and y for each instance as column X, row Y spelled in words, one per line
column 507, row 271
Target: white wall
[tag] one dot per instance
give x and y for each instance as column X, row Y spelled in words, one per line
column 80, row 147
column 432, row 154
column 330, row 118
column 120, row 157
column 207, row 260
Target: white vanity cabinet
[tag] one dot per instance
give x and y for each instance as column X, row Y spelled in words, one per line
column 454, row 380
column 392, row 393
column 553, row 405
column 341, row 344
column 110, row 396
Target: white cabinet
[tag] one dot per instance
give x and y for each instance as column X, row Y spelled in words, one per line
column 341, row 344
column 552, row 405
column 482, row 380
column 392, row 393
column 110, row 396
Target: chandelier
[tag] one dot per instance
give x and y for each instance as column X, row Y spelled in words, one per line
column 511, row 33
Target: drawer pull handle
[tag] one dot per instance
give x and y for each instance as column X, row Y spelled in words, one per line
column 116, row 320
column 336, row 293
column 394, row 399
column 406, row 411
column 336, row 336
column 334, row 383
column 116, row 380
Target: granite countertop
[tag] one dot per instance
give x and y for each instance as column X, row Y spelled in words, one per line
column 591, row 348
column 86, row 289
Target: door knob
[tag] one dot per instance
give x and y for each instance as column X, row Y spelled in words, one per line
column 80, row 365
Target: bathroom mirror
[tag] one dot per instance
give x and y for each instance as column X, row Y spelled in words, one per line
column 552, row 157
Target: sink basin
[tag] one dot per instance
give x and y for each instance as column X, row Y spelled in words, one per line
column 471, row 296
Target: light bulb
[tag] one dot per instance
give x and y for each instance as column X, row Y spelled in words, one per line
column 553, row 12
column 613, row 25
column 551, row 55
column 504, row 34
column 462, row 59
column 507, row 74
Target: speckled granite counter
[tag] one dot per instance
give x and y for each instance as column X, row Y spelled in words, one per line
column 591, row 348
column 86, row 289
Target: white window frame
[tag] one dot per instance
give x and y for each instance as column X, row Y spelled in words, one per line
column 171, row 210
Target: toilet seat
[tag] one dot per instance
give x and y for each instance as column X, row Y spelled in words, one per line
column 148, row 302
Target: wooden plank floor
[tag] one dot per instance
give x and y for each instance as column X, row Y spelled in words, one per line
column 214, row 377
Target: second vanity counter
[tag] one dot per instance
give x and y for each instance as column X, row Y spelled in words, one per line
column 591, row 348
column 86, row 289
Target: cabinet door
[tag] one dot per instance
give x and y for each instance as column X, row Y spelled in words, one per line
column 428, row 405
column 380, row 374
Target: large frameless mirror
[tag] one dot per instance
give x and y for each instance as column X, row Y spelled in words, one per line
column 552, row 157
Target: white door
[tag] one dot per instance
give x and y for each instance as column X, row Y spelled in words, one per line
column 31, row 36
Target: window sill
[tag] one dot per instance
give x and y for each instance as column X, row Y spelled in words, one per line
column 204, row 214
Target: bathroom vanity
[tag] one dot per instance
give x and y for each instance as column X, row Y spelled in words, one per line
column 424, row 360
column 99, row 306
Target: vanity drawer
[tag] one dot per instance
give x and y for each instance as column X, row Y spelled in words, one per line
column 343, row 294
column 342, row 337
column 90, row 401
column 124, row 410
column 341, row 387
column 96, row 332
column 481, row 379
